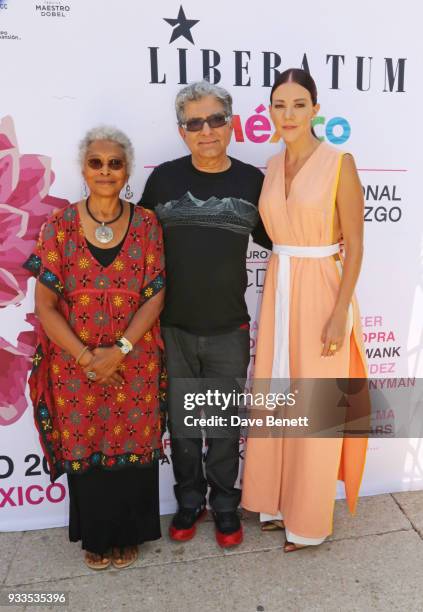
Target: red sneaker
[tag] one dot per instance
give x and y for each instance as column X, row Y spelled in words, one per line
column 183, row 524
column 229, row 530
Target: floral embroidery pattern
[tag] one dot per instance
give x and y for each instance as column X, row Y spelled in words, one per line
column 81, row 423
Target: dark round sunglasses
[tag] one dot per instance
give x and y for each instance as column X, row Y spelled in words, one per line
column 196, row 124
column 95, row 163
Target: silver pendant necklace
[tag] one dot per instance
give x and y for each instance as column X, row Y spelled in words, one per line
column 103, row 232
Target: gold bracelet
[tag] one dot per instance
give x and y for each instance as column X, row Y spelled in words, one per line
column 81, row 353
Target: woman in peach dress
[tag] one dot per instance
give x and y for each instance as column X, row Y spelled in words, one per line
column 309, row 322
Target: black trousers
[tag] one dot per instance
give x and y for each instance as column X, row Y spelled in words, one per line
column 197, row 364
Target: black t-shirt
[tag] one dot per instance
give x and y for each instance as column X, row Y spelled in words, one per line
column 207, row 218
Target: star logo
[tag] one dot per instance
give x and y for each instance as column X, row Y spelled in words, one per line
column 183, row 26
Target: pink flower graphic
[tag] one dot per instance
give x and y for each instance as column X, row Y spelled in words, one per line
column 15, row 363
column 24, row 206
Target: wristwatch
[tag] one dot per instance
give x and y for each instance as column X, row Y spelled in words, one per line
column 124, row 345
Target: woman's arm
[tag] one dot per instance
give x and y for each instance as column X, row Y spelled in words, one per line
column 109, row 359
column 59, row 331
column 145, row 317
column 350, row 207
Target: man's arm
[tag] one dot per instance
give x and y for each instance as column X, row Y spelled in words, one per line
column 259, row 236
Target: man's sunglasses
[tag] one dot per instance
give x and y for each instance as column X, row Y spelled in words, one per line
column 95, row 163
column 196, row 124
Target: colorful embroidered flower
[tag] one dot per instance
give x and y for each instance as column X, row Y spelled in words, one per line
column 69, row 214
column 101, row 318
column 84, row 334
column 118, row 301
column 102, row 282
column 55, row 368
column 76, row 466
column 148, row 292
column 90, row 400
column 43, row 412
column 91, row 431
column 73, row 385
column 48, row 231
column 84, row 263
column 150, row 258
column 70, row 283
column 79, row 451
column 49, row 276
column 134, row 252
column 60, row 236
column 117, row 430
column 84, row 299
column 118, row 265
column 70, row 248
column 136, row 219
column 120, row 396
column 104, row 412
column 137, row 383
column 135, row 414
column 75, row 417
column 133, row 458
column 52, row 256
column 148, row 336
column 65, row 434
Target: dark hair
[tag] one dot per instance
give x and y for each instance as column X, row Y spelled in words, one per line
column 301, row 77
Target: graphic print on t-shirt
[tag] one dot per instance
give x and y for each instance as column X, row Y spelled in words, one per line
column 234, row 214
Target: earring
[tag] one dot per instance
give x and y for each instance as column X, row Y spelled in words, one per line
column 128, row 192
column 85, row 190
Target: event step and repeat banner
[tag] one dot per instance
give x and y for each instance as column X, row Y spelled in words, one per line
column 66, row 67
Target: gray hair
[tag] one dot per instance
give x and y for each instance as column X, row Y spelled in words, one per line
column 198, row 90
column 107, row 132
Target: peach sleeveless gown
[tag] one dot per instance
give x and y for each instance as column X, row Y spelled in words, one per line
column 295, row 478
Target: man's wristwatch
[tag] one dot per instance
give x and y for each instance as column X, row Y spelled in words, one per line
column 124, row 345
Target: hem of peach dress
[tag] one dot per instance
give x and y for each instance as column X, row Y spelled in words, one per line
column 291, row 536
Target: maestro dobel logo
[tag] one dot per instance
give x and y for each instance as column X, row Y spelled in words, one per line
column 50, row 9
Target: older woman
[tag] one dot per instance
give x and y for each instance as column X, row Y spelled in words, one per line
column 96, row 377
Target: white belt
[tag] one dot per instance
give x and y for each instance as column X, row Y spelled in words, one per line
column 281, row 338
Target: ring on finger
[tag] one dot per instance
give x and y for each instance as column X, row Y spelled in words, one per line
column 91, row 375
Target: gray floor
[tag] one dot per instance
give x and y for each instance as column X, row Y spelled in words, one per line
column 373, row 562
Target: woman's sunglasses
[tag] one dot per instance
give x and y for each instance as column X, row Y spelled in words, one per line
column 216, row 120
column 95, row 163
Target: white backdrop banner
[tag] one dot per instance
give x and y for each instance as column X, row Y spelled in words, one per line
column 68, row 67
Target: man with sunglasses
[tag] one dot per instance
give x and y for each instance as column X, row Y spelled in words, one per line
column 207, row 204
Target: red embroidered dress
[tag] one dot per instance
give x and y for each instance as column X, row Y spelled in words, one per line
column 82, row 423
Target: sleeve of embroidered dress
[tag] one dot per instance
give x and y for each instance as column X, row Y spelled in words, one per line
column 154, row 272
column 45, row 263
